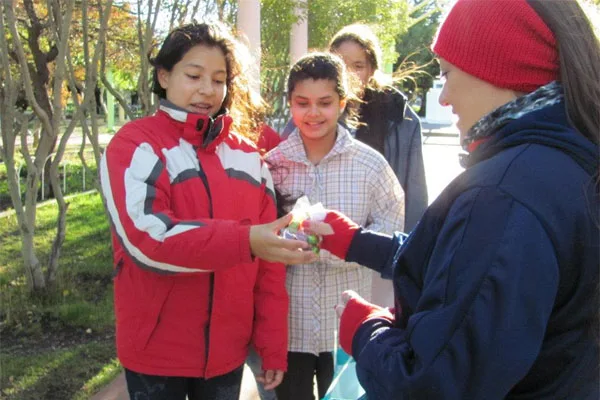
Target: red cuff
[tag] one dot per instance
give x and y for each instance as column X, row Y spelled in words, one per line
column 343, row 232
column 357, row 311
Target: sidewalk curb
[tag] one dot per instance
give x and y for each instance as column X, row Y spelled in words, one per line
column 115, row 390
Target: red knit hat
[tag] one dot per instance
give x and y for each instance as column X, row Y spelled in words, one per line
column 503, row 42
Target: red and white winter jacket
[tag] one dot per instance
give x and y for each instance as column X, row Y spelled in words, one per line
column 182, row 192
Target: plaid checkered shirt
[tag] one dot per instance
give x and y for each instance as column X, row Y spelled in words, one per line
column 356, row 180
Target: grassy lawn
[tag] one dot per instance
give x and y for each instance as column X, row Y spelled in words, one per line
column 77, row 179
column 59, row 346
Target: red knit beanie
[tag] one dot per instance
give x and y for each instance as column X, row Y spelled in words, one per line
column 503, row 42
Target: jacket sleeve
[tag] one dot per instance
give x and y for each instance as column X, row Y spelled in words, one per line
column 377, row 251
column 136, row 188
column 488, row 292
column 387, row 206
column 270, row 336
column 410, row 167
column 386, row 198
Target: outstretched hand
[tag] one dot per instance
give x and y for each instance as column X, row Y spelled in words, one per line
column 267, row 245
column 337, row 231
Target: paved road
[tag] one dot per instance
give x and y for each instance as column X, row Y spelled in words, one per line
column 440, row 152
column 441, row 163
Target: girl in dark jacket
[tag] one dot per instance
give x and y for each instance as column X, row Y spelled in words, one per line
column 388, row 124
column 496, row 289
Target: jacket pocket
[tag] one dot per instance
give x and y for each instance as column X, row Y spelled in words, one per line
column 150, row 317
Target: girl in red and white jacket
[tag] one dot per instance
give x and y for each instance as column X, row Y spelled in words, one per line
column 197, row 257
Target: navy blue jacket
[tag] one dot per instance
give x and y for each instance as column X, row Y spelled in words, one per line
column 497, row 286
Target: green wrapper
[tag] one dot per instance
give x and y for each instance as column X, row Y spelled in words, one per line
column 293, row 226
column 312, row 239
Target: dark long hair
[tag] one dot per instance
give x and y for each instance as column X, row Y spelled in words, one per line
column 379, row 97
column 579, row 58
column 240, row 102
column 363, row 36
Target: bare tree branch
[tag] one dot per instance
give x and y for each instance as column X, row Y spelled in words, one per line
column 184, row 12
column 195, row 9
column 8, row 128
column 174, row 12
column 145, row 35
column 122, row 102
column 61, row 29
column 42, row 115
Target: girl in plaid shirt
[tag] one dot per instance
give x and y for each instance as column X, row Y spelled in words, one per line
column 320, row 159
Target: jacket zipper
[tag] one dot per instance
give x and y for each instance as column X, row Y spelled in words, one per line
column 211, row 284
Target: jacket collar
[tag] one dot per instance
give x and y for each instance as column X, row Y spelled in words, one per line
column 293, row 147
column 544, row 96
column 547, row 126
column 199, row 130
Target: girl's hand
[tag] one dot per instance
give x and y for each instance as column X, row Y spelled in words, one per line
column 270, row 378
column 337, row 231
column 267, row 245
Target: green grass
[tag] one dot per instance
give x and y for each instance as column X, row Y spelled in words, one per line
column 73, row 373
column 60, row 345
column 71, row 168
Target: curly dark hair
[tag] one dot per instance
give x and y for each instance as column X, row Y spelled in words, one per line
column 246, row 107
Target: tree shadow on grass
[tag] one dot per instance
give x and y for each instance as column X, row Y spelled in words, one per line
column 63, row 375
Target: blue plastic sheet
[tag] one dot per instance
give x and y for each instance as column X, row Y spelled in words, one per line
column 345, row 385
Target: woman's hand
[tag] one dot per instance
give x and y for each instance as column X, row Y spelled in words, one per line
column 339, row 308
column 353, row 312
column 270, row 378
column 337, row 231
column 267, row 245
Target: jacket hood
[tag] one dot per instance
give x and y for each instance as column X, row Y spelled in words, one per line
column 548, row 126
column 199, row 130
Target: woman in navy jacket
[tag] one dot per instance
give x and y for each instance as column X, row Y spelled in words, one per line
column 496, row 288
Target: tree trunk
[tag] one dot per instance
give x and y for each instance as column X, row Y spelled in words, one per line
column 35, row 77
column 59, row 238
column 33, row 268
column 145, row 35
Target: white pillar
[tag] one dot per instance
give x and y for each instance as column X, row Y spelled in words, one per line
column 121, row 114
column 110, row 106
column 299, row 34
column 248, row 24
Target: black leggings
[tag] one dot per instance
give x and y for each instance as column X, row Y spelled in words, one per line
column 297, row 383
column 151, row 387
